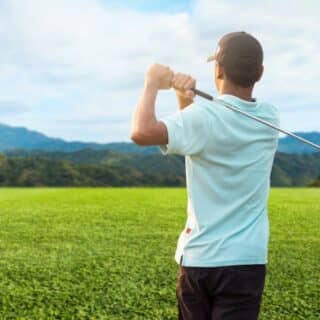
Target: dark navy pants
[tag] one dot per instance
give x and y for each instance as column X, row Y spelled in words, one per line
column 220, row 293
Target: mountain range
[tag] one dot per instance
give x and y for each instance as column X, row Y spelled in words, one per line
column 12, row 138
column 30, row 158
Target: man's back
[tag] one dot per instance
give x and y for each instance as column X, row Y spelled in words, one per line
column 228, row 164
column 222, row 251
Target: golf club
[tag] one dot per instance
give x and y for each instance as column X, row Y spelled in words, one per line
column 229, row 106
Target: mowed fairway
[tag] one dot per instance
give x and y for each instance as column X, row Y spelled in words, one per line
column 108, row 253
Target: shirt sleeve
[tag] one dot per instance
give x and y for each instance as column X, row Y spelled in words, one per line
column 188, row 131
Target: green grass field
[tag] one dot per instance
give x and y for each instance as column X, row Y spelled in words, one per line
column 108, row 254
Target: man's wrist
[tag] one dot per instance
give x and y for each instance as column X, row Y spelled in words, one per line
column 151, row 84
column 183, row 99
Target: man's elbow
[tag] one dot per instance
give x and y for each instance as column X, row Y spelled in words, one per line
column 140, row 138
column 151, row 135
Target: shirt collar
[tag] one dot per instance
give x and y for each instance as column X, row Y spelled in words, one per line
column 238, row 102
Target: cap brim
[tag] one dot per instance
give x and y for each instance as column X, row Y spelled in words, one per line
column 211, row 58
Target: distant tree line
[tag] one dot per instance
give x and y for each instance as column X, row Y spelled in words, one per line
column 106, row 168
column 27, row 172
column 315, row 183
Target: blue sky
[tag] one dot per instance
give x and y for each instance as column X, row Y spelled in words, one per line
column 153, row 6
column 74, row 69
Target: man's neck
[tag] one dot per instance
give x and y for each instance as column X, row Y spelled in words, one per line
column 240, row 92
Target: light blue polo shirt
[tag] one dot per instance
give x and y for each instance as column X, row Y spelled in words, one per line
column 228, row 165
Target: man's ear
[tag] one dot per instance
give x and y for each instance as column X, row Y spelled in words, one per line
column 261, row 73
column 220, row 71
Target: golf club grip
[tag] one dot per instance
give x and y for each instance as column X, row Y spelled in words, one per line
column 202, row 94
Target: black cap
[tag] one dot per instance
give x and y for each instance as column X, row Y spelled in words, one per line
column 241, row 55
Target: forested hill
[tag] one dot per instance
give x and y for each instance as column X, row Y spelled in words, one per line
column 12, row 138
column 107, row 168
column 316, row 183
column 31, row 158
column 295, row 170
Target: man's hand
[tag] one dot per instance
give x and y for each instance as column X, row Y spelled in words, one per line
column 183, row 84
column 159, row 76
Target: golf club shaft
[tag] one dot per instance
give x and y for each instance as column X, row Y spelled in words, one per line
column 229, row 106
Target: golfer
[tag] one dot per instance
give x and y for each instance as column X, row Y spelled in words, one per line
column 222, row 251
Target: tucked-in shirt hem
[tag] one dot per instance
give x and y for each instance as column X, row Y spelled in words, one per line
column 191, row 263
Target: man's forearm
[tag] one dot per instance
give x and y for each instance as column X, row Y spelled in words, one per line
column 144, row 116
column 146, row 130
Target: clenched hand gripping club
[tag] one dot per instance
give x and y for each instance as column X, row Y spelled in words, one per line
column 229, row 106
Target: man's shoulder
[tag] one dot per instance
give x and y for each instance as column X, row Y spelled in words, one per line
column 213, row 108
column 269, row 110
column 205, row 107
column 270, row 106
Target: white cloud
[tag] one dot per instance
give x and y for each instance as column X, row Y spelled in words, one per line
column 78, row 65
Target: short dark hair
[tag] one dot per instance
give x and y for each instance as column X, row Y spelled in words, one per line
column 241, row 56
